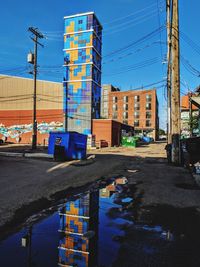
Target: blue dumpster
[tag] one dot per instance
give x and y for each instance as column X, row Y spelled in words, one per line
column 73, row 145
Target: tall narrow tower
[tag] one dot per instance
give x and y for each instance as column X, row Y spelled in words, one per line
column 82, row 75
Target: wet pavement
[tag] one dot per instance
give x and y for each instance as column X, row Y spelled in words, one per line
column 106, row 226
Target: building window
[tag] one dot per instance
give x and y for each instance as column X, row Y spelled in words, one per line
column 125, row 115
column 80, row 22
column 137, row 98
column 148, row 115
column 148, row 106
column 114, row 107
column 148, row 123
column 137, row 106
column 136, row 123
column 125, row 121
column 125, row 106
column 148, row 98
column 114, row 99
column 114, row 116
column 136, row 115
column 125, row 98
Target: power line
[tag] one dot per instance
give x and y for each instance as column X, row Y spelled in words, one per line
column 142, row 39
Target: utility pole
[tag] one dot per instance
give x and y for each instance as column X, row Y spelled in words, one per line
column 37, row 35
column 65, row 85
column 169, row 136
column 175, row 85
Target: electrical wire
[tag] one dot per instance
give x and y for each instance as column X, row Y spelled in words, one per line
column 137, row 42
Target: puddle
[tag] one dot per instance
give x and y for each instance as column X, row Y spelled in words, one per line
column 105, row 227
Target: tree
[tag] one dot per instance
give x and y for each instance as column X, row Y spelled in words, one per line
column 194, row 123
column 161, row 132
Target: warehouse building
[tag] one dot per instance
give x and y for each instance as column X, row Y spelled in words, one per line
column 16, row 109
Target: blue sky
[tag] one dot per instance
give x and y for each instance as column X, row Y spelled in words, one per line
column 124, row 22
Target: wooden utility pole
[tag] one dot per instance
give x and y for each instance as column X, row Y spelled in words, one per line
column 175, row 85
column 169, row 136
column 37, row 35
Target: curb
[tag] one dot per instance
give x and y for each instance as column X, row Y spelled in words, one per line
column 38, row 155
column 12, row 154
column 26, row 155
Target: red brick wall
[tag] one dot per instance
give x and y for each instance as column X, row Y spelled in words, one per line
column 107, row 130
column 185, row 103
column 102, row 130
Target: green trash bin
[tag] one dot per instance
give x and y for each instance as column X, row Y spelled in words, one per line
column 129, row 141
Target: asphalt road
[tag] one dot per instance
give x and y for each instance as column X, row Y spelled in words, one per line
column 24, row 181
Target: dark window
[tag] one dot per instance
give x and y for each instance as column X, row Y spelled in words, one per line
column 68, row 36
column 136, row 123
column 148, row 98
column 137, row 106
column 80, row 22
column 137, row 98
column 125, row 115
column 148, row 106
column 148, row 115
column 136, row 115
column 114, row 99
column 125, row 98
column 125, row 106
column 125, row 121
column 148, row 123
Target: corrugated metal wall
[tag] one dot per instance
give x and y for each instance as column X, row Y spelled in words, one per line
column 16, row 93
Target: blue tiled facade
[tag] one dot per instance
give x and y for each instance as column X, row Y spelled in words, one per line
column 82, row 75
column 77, row 218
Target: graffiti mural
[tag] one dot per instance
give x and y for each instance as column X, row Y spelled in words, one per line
column 16, row 131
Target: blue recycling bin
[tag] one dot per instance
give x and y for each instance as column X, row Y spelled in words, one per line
column 73, row 145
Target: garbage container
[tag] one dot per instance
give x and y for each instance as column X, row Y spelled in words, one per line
column 129, row 141
column 67, row 145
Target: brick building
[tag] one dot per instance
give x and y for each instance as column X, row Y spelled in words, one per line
column 110, row 132
column 105, row 91
column 186, row 105
column 136, row 108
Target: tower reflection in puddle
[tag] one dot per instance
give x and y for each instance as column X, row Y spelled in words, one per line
column 79, row 231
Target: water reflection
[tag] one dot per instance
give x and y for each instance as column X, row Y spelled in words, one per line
column 79, row 231
column 79, row 228
column 106, row 227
